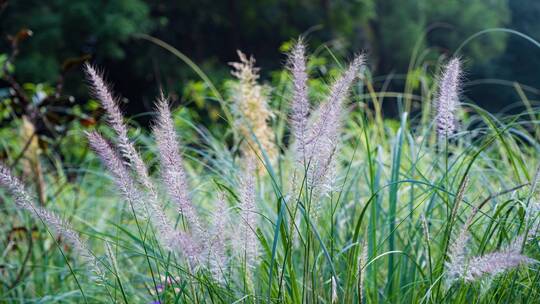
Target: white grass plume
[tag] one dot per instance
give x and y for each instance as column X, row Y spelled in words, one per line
column 172, row 168
column 325, row 130
column 334, row 290
column 461, row 266
column 448, row 98
column 458, row 255
column 362, row 264
column 116, row 120
column 300, row 101
column 496, row 262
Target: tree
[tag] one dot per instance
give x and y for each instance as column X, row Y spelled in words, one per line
column 70, row 28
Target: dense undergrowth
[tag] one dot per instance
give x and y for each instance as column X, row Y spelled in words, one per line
column 340, row 206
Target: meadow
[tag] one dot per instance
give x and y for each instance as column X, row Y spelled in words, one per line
column 309, row 195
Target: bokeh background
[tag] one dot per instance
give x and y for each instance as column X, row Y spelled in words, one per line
column 44, row 42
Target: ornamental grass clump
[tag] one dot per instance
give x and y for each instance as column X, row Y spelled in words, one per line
column 176, row 241
column 461, row 265
column 353, row 207
column 317, row 136
column 203, row 246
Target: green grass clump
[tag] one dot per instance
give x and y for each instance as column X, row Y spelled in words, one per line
column 384, row 230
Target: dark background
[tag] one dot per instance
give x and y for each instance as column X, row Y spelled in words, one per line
column 210, row 32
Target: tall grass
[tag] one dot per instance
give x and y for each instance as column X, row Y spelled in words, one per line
column 347, row 207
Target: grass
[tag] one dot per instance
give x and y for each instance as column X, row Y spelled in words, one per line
column 381, row 235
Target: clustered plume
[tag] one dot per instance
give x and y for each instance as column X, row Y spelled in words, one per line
column 318, row 136
column 447, row 100
column 63, row 229
column 462, row 266
column 205, row 247
column 250, row 102
column 171, row 238
column 202, row 246
column 334, row 290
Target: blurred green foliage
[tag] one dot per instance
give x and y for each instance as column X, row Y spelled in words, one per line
column 400, row 26
column 63, row 29
column 209, row 32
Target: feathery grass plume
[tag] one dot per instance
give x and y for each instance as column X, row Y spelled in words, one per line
column 116, row 120
column 299, row 113
column 246, row 238
column 300, row 102
column 122, row 177
column 325, row 128
column 496, row 262
column 448, row 98
column 251, row 107
column 461, row 266
column 172, row 168
column 24, row 202
column 101, row 91
column 461, row 191
column 172, row 239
